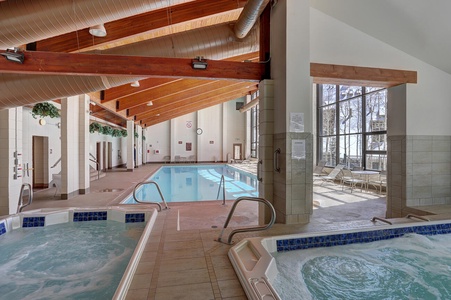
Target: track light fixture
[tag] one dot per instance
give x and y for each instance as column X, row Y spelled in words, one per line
column 14, row 55
column 98, row 30
column 200, row 63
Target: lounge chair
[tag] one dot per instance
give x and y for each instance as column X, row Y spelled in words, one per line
column 379, row 181
column 333, row 175
column 352, row 180
column 318, row 171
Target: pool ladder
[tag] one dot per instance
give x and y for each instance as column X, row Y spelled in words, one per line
column 149, row 202
column 221, row 184
column 247, row 229
column 21, row 205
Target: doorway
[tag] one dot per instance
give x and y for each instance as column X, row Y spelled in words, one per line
column 237, row 152
column 40, row 158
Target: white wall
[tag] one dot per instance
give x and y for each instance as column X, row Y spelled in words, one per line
column 119, row 145
column 158, row 139
column 335, row 42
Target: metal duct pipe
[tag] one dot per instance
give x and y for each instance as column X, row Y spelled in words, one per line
column 216, row 42
column 249, row 16
column 24, row 21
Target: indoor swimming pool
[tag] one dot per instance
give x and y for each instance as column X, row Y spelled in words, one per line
column 197, row 183
column 410, row 261
column 82, row 254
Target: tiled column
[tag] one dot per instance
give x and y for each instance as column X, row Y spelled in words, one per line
column 83, row 144
column 130, row 145
column 70, row 134
column 10, row 144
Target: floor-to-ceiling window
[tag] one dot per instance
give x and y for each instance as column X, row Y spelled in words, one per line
column 254, row 131
column 352, row 126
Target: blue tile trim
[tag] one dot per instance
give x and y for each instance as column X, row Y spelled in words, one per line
column 135, row 218
column 90, row 216
column 359, row 237
column 33, row 222
column 2, row 228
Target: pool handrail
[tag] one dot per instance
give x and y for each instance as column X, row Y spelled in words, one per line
column 374, row 219
column 20, row 204
column 221, row 184
column 246, row 229
column 149, row 202
column 410, row 216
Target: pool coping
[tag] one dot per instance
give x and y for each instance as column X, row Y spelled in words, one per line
column 256, row 267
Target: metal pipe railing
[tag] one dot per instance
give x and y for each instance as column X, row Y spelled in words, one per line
column 149, row 202
column 221, row 184
column 20, row 204
column 247, row 229
column 98, row 167
column 374, row 219
column 410, row 216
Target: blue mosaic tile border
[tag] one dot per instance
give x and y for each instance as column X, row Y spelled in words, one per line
column 33, row 222
column 2, row 228
column 90, row 216
column 358, row 237
column 135, row 218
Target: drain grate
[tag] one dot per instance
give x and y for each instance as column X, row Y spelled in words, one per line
column 110, row 190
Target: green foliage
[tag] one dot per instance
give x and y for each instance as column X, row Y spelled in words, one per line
column 107, row 130
column 116, row 133
column 144, row 138
column 95, row 127
column 124, row 133
column 136, row 134
column 45, row 109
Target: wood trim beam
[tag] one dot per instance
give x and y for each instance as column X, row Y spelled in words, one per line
column 138, row 24
column 118, row 65
column 351, row 75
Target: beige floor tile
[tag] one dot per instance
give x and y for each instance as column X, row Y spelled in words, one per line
column 230, row 288
column 202, row 291
column 183, row 264
column 183, row 277
column 139, row 294
column 223, row 273
column 141, row 281
column 170, row 245
column 145, row 267
column 182, row 253
column 182, row 236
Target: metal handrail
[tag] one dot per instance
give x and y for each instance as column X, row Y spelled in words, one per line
column 259, row 178
column 21, row 205
column 246, row 229
column 382, row 220
column 410, row 216
column 276, row 160
column 98, row 167
column 57, row 162
column 221, row 184
column 149, row 202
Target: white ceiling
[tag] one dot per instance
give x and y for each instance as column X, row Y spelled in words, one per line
column 418, row 27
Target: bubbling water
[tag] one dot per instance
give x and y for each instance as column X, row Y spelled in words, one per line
column 410, row 267
column 82, row 260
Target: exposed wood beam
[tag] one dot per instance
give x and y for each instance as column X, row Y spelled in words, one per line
column 135, row 25
column 168, row 90
column 118, row 65
column 192, row 107
column 215, row 89
column 351, row 75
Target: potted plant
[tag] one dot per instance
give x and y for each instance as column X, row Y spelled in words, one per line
column 136, row 134
column 45, row 109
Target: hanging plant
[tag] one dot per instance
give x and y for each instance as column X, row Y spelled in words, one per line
column 116, row 133
column 136, row 135
column 144, row 138
column 95, row 127
column 124, row 133
column 107, row 130
column 45, row 109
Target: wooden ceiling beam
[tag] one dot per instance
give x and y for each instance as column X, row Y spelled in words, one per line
column 168, row 90
column 192, row 107
column 46, row 63
column 138, row 24
column 194, row 91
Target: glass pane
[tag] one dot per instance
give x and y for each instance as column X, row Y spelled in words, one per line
column 347, row 92
column 351, row 150
column 327, row 122
column 327, row 151
column 351, row 116
column 376, row 111
column 376, row 162
column 328, row 94
column 376, row 142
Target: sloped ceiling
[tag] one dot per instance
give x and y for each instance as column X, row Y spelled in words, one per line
column 171, row 97
column 417, row 27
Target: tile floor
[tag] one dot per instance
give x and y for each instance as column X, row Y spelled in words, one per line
column 182, row 260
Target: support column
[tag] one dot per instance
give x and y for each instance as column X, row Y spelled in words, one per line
column 130, row 145
column 10, row 159
column 293, row 138
column 83, row 144
column 70, row 135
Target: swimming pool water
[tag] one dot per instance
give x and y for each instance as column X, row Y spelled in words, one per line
column 75, row 260
column 197, row 183
column 409, row 267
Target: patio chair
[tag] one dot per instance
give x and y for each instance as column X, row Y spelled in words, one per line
column 352, row 180
column 318, row 170
column 379, row 181
column 333, row 175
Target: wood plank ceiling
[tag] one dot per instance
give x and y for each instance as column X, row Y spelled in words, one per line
column 170, row 97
